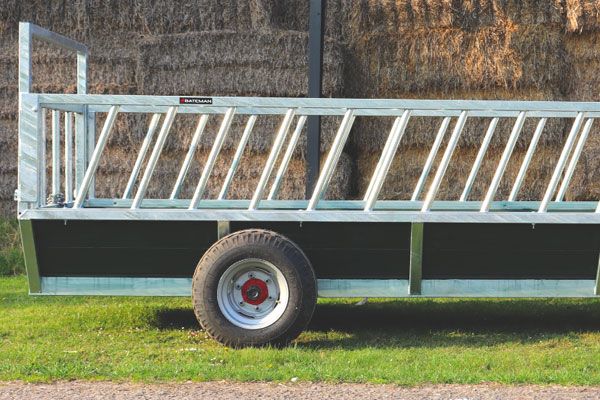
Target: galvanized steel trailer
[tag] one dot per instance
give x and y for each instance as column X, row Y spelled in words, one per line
column 254, row 267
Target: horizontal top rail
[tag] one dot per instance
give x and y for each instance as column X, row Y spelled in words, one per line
column 54, row 38
column 489, row 106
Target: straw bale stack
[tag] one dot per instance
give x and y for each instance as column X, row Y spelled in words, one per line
column 112, row 178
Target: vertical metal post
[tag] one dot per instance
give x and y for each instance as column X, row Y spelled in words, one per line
column 212, row 158
column 24, row 57
column 315, row 67
column 237, row 157
column 223, row 229
column 574, row 158
column 441, row 171
column 527, row 159
column 430, row 159
column 416, row 258
column 561, row 163
column 189, row 156
column 394, row 139
column 55, row 153
column 68, row 157
column 95, row 159
column 91, row 145
column 510, row 145
column 277, row 145
column 332, row 159
column 158, row 146
column 286, row 158
column 479, row 159
column 141, row 156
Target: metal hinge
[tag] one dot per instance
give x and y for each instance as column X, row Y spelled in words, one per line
column 17, row 196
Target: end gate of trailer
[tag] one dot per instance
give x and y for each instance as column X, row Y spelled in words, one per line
column 261, row 256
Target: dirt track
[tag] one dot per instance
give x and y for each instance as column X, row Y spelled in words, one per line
column 246, row 391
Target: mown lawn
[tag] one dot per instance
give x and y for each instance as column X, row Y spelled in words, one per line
column 407, row 342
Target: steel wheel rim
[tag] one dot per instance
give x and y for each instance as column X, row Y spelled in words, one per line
column 252, row 293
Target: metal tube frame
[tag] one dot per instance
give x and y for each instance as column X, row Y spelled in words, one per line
column 332, row 159
column 508, row 149
column 431, row 158
column 387, row 158
column 189, row 156
column 237, row 157
column 141, row 156
column 479, row 159
column 95, row 159
column 561, row 162
column 68, row 157
column 441, row 171
column 212, row 157
column 574, row 159
column 286, row 158
column 153, row 160
column 528, row 156
column 275, row 150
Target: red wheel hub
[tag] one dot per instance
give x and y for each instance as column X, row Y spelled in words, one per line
column 255, row 291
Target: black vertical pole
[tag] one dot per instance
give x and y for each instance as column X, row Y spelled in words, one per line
column 315, row 68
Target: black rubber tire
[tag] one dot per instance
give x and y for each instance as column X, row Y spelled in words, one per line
column 271, row 247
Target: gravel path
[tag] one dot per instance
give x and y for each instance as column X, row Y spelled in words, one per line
column 225, row 390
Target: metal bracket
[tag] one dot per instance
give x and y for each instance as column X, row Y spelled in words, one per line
column 416, row 258
column 597, row 286
column 223, row 229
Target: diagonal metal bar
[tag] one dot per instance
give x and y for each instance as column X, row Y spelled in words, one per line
column 561, row 162
column 189, row 156
column 527, row 160
column 286, row 158
column 68, row 157
column 394, row 138
column 237, row 157
column 386, row 148
column 141, row 156
column 275, row 150
column 508, row 149
column 212, row 157
column 95, row 159
column 430, row 159
column 332, row 159
column 574, row 159
column 153, row 160
column 479, row 159
column 441, row 171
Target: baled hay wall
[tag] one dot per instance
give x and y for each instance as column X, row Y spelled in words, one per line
column 408, row 164
column 113, row 174
column 130, row 130
column 228, row 63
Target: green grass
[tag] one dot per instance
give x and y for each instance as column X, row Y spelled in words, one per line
column 11, row 255
column 407, row 342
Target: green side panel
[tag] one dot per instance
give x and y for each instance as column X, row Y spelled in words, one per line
column 510, row 251
column 357, row 250
column 121, row 248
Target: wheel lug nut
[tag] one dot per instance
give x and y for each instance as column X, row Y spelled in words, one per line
column 257, row 308
column 238, row 287
column 267, row 281
column 241, row 303
column 270, row 297
column 250, row 275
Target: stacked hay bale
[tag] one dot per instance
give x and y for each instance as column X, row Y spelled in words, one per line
column 582, row 39
column 222, row 63
column 435, row 49
column 446, row 50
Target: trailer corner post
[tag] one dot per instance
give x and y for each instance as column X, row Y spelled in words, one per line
column 416, row 258
column 31, row 264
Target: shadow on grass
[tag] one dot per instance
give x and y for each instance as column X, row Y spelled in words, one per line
column 433, row 323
